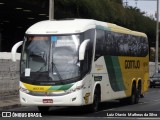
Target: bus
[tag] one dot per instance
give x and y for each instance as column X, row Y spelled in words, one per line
column 79, row 62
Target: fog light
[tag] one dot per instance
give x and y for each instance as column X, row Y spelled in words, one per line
column 24, row 100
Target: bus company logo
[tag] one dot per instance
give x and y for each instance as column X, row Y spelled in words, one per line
column 20, row 114
column 6, row 114
column 86, row 98
column 99, row 67
column 132, row 64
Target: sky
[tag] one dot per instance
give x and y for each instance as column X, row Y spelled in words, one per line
column 147, row 6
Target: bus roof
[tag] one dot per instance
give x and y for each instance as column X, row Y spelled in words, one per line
column 76, row 26
column 120, row 29
column 61, row 26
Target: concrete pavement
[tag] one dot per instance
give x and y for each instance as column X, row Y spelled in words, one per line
column 9, row 102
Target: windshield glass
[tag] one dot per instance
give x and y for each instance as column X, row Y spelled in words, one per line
column 55, row 57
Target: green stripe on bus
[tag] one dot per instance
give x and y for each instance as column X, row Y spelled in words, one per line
column 114, row 73
column 118, row 72
column 103, row 28
column 61, row 87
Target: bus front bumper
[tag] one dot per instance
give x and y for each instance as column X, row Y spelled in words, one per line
column 70, row 99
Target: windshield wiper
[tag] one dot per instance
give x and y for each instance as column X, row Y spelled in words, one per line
column 42, row 67
column 57, row 72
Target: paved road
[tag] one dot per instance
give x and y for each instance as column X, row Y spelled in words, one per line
column 150, row 104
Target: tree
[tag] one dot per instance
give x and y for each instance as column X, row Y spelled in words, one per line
column 108, row 11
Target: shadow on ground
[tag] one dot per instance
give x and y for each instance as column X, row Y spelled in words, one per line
column 84, row 111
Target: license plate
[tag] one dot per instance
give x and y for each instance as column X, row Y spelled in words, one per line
column 47, row 101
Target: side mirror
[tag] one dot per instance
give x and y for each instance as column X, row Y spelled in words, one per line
column 82, row 49
column 14, row 50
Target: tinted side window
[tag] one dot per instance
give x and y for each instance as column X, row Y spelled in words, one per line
column 118, row 44
column 125, row 45
column 100, row 44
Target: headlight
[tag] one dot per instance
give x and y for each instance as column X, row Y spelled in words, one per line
column 75, row 89
column 24, row 90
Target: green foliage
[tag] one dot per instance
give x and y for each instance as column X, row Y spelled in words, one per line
column 108, row 11
column 117, row 1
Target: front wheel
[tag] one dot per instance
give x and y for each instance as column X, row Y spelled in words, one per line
column 96, row 100
column 134, row 98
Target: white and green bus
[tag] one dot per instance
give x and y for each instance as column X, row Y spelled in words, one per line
column 81, row 62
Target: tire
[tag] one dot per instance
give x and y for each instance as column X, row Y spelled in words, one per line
column 43, row 109
column 137, row 96
column 134, row 98
column 95, row 105
column 151, row 84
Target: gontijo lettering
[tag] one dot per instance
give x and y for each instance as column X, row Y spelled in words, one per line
column 132, row 64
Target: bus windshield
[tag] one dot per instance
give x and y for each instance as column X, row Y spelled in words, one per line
column 53, row 57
